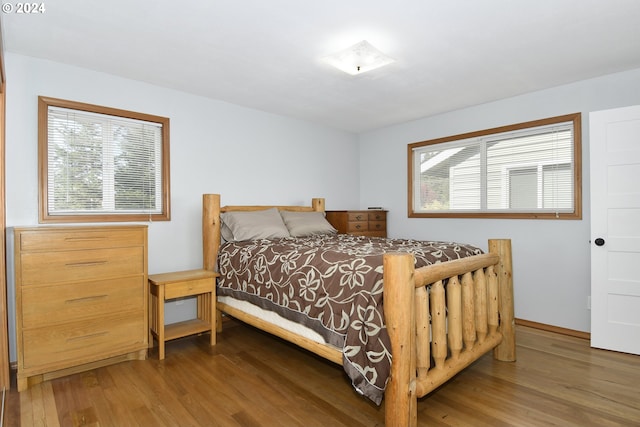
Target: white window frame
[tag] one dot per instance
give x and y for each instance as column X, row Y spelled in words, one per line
column 572, row 121
column 108, row 212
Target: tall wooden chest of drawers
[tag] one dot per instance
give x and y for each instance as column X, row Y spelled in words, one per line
column 360, row 223
column 81, row 299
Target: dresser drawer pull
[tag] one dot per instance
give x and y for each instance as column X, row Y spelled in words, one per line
column 359, row 217
column 91, row 298
column 94, row 335
column 85, row 264
column 83, row 239
column 358, row 226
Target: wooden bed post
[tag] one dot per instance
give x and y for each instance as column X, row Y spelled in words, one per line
column 211, row 240
column 399, row 309
column 210, row 230
column 317, row 204
column 506, row 351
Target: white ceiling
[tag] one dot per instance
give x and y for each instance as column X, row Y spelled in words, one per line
column 266, row 54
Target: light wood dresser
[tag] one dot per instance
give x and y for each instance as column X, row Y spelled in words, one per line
column 81, row 299
column 372, row 222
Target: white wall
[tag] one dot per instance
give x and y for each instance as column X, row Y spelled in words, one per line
column 551, row 258
column 248, row 156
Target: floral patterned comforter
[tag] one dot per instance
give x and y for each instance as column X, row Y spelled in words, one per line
column 333, row 285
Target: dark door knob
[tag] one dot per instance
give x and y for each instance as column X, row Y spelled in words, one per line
column 599, row 241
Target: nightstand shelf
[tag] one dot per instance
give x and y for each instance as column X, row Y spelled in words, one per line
column 185, row 328
column 181, row 284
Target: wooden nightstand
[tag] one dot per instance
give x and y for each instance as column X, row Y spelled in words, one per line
column 180, row 284
column 371, row 222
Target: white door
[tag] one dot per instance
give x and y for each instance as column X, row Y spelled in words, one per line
column 615, row 229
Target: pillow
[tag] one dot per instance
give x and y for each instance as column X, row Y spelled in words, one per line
column 252, row 225
column 306, row 223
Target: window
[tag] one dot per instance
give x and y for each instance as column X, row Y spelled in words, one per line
column 101, row 164
column 527, row 170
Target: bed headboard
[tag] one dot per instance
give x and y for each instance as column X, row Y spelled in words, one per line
column 211, row 211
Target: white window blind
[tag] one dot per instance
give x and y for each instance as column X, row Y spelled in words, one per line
column 529, row 170
column 102, row 164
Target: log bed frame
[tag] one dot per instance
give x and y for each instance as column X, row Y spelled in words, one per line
column 454, row 324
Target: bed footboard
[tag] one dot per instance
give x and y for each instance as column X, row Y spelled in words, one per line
column 458, row 311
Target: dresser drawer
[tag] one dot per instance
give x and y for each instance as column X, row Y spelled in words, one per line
column 192, row 287
column 63, row 239
column 86, row 340
column 377, row 216
column 66, row 266
column 48, row 305
column 377, row 225
column 357, row 216
column 354, row 226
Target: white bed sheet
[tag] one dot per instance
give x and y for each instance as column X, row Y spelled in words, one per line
column 273, row 318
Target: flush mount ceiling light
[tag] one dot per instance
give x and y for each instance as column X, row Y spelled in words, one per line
column 359, row 58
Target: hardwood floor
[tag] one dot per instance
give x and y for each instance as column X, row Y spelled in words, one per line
column 253, row 379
